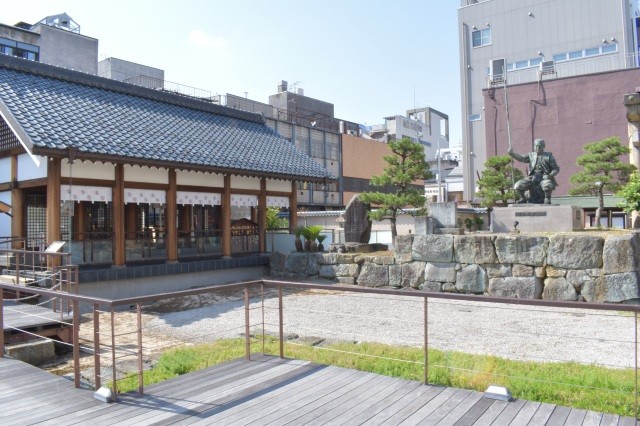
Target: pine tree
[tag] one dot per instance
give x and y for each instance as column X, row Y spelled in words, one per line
column 406, row 165
column 496, row 181
column 603, row 171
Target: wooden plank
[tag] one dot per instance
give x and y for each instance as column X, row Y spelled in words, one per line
column 476, row 412
column 542, row 414
column 627, row 421
column 262, row 400
column 525, row 414
column 576, row 417
column 303, row 399
column 509, row 412
column 461, row 409
column 609, row 420
column 245, row 395
column 406, row 388
column 559, row 416
column 592, row 419
column 352, row 403
column 406, row 405
column 436, row 409
column 173, row 405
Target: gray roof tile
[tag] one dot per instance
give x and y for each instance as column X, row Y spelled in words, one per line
column 99, row 116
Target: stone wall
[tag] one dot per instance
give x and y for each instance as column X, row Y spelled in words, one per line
column 572, row 266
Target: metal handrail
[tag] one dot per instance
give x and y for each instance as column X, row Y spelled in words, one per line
column 110, row 305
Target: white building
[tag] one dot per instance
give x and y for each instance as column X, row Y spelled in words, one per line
column 426, row 125
column 511, row 42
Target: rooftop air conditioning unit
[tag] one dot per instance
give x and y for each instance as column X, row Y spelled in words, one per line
column 497, row 71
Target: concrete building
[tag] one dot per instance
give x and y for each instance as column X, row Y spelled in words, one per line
column 131, row 72
column 310, row 125
column 55, row 40
column 504, row 43
column 426, row 125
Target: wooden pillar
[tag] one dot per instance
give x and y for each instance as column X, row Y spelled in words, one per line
column 79, row 222
column 172, row 220
column 226, row 217
column 293, row 207
column 119, row 253
column 17, row 207
column 262, row 216
column 53, row 200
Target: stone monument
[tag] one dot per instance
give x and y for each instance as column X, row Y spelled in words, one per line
column 357, row 229
column 357, row 225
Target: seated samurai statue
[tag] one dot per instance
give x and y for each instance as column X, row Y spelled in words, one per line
column 541, row 179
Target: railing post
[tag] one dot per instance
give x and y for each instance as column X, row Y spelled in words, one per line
column 2, row 322
column 17, row 275
column 114, row 383
column 635, row 387
column 247, row 337
column 76, row 344
column 280, row 323
column 426, row 340
column 262, row 303
column 140, row 372
column 96, row 345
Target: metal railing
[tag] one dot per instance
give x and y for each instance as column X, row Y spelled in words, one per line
column 439, row 326
column 570, row 68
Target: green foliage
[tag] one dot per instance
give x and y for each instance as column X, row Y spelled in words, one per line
column 273, row 221
column 478, row 221
column 313, row 232
column 468, row 223
column 496, row 182
column 631, row 194
column 298, row 231
column 602, row 171
column 406, row 165
column 563, row 383
column 321, row 238
column 602, row 168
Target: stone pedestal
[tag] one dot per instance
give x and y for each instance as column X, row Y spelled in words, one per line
column 536, row 218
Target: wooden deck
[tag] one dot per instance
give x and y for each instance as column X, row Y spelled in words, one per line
column 35, row 319
column 270, row 390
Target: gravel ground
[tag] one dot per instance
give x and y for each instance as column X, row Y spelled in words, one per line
column 509, row 331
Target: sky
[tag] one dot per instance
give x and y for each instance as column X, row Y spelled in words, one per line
column 370, row 58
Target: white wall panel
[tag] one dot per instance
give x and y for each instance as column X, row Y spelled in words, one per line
column 5, row 220
column 279, row 185
column 200, row 179
column 89, row 170
column 5, row 169
column 242, row 182
column 27, row 169
column 145, row 174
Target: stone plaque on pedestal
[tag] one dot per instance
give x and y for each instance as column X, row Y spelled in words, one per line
column 537, row 217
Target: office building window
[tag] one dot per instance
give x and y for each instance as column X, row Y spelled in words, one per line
column 481, row 38
column 21, row 50
column 593, row 51
column 475, row 117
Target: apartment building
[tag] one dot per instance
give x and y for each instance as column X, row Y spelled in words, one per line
column 504, row 43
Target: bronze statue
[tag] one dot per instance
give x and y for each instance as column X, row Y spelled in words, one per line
column 542, row 171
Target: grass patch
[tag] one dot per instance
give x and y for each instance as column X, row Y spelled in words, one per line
column 567, row 384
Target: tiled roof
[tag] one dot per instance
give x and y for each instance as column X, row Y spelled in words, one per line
column 57, row 109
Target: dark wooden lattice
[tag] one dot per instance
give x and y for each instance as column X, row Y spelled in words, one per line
column 7, row 139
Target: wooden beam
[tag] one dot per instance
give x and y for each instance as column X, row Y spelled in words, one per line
column 293, row 207
column 262, row 216
column 226, row 217
column 53, row 199
column 172, row 220
column 17, row 207
column 119, row 248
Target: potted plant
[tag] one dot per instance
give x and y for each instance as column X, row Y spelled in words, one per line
column 313, row 231
column 298, row 241
column 307, row 238
column 321, row 239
